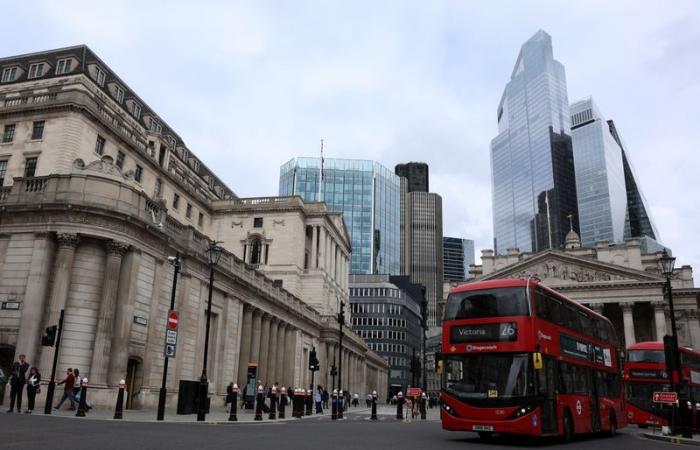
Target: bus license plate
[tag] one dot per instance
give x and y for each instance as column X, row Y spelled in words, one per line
column 482, row 428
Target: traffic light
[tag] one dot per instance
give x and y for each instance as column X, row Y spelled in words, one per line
column 49, row 339
column 313, row 361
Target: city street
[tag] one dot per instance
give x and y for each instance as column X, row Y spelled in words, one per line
column 356, row 432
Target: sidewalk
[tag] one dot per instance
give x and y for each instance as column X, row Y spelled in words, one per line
column 695, row 440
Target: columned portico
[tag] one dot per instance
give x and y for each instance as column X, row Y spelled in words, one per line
column 246, row 340
column 628, row 322
column 272, row 352
column 263, row 374
column 659, row 319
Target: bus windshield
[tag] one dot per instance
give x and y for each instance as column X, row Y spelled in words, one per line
column 498, row 302
column 501, row 376
column 646, row 356
column 640, row 394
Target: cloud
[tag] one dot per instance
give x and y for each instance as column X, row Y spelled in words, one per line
column 250, row 84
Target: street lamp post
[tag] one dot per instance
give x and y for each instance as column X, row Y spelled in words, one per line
column 341, row 321
column 214, row 253
column 666, row 263
column 163, row 389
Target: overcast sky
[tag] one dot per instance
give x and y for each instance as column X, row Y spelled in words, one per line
column 249, row 85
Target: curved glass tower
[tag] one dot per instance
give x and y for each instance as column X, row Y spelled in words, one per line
column 532, row 165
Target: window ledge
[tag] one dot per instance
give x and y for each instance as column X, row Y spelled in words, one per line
column 7, row 143
column 36, row 140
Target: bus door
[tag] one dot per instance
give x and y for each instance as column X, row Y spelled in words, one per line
column 594, row 400
column 547, row 382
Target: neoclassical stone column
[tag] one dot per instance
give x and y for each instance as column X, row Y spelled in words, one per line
column 35, row 297
column 290, row 358
column 272, row 353
column 264, row 348
column 322, row 248
column 255, row 339
column 324, row 367
column 281, row 350
column 124, row 318
column 693, row 328
column 314, row 247
column 99, row 367
column 244, row 351
column 628, row 322
column 63, row 267
column 659, row 319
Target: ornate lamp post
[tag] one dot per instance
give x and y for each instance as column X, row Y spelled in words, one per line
column 341, row 321
column 666, row 264
column 214, row 252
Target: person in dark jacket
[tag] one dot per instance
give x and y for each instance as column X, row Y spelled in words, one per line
column 33, row 388
column 18, row 377
column 229, row 396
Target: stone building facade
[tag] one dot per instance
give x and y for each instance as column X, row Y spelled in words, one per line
column 97, row 193
column 620, row 281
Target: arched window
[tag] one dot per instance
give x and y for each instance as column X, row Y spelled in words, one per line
column 256, row 251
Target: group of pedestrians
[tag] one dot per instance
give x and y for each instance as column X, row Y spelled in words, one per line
column 22, row 374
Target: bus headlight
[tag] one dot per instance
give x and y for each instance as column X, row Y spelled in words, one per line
column 522, row 411
column 448, row 409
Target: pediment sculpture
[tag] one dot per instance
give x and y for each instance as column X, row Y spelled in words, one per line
column 565, row 272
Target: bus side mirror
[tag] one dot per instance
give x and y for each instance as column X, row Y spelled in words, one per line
column 537, row 360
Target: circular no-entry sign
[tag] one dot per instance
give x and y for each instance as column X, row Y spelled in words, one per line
column 173, row 319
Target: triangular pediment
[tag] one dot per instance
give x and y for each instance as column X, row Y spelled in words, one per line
column 556, row 268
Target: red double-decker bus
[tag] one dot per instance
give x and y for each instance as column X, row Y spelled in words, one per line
column 520, row 358
column 645, row 372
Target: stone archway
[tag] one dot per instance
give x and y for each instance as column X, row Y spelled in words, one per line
column 134, row 382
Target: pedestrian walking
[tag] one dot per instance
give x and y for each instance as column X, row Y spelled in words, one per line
column 18, row 378
column 408, row 410
column 68, row 385
column 325, row 399
column 356, row 400
column 33, row 388
column 318, row 396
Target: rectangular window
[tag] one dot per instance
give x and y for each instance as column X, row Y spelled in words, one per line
column 63, row 66
column 3, row 169
column 9, row 134
column 100, row 145
column 159, row 187
column 138, row 173
column 200, row 220
column 30, row 166
column 38, row 130
column 136, row 110
column 9, row 74
column 118, row 94
column 36, row 70
column 257, row 222
column 120, row 160
column 188, row 211
column 176, row 201
column 100, row 76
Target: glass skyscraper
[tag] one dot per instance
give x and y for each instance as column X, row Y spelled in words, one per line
column 611, row 206
column 368, row 195
column 458, row 254
column 532, row 165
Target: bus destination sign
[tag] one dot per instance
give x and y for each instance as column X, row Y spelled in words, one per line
column 484, row 332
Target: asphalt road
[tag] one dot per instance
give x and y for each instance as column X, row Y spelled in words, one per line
column 18, row 431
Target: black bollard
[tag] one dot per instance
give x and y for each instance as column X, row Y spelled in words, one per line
column 82, row 405
column 423, row 406
column 119, row 408
column 399, row 406
column 273, row 403
column 309, row 402
column 233, row 415
column 258, row 404
column 334, row 405
column 283, row 402
column 374, row 406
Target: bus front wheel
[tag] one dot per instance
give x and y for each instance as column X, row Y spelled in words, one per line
column 567, row 427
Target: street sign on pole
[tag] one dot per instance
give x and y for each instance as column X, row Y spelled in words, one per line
column 171, row 334
column 670, row 398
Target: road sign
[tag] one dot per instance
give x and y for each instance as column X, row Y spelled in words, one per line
column 171, row 334
column 665, row 397
column 413, row 392
column 173, row 320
